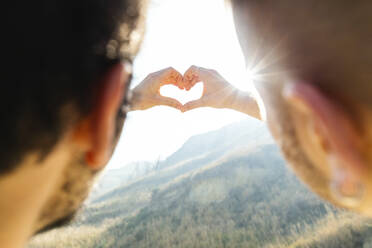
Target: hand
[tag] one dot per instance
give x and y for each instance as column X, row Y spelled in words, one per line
column 217, row 93
column 147, row 94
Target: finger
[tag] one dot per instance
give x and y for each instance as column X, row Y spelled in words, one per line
column 179, row 82
column 167, row 101
column 155, row 75
column 191, row 77
column 193, row 105
column 192, row 72
column 166, row 76
column 207, row 71
column 190, row 83
column 171, row 76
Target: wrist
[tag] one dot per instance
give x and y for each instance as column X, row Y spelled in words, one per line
column 135, row 99
column 246, row 103
column 233, row 99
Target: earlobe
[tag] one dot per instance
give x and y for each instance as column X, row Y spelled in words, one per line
column 98, row 130
column 337, row 137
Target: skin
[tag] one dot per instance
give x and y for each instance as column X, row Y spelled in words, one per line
column 315, row 92
column 38, row 192
column 322, row 128
column 147, row 94
column 312, row 71
column 218, row 93
column 317, row 136
column 45, row 194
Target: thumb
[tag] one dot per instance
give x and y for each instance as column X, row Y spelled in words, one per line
column 193, row 105
column 168, row 101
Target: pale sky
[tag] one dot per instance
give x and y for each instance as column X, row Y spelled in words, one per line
column 181, row 33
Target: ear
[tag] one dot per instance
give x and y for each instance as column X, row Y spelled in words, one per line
column 332, row 139
column 95, row 134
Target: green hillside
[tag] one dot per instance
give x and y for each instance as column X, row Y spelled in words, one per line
column 227, row 188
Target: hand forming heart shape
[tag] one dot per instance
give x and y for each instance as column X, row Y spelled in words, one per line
column 217, row 92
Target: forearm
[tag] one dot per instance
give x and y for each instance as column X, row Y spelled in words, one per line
column 246, row 103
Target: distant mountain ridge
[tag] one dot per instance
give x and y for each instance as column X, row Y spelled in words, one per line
column 204, row 148
column 240, row 134
column 200, row 150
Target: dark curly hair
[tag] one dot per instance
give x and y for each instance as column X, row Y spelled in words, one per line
column 54, row 58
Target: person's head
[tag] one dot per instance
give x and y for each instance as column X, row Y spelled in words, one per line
column 311, row 62
column 60, row 102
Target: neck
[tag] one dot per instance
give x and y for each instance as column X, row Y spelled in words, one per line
column 24, row 192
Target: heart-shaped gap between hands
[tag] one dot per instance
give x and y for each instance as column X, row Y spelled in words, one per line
column 183, row 96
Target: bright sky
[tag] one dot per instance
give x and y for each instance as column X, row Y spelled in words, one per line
column 181, row 33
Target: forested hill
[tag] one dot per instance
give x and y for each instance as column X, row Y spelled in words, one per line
column 245, row 134
column 226, row 188
column 199, row 151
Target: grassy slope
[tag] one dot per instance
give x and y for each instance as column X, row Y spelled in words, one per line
column 235, row 199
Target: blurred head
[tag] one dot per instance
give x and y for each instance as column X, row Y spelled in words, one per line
column 60, row 103
column 311, row 62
